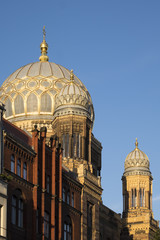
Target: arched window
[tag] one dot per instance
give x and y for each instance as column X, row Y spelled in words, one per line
column 46, row 103
column 25, row 170
column 67, row 229
column 12, row 163
column 32, row 103
column 8, row 107
column 19, row 104
column 19, row 167
column 68, row 197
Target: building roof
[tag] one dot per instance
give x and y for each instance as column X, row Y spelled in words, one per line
column 17, row 134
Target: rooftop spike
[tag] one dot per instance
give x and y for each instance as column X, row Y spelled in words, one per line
column 44, row 48
column 136, row 144
column 71, row 75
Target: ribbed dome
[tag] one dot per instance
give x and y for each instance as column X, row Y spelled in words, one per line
column 31, row 90
column 137, row 161
column 73, row 99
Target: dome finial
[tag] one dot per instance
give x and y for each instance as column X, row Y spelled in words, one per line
column 44, row 48
column 44, row 33
column 71, row 75
column 136, row 144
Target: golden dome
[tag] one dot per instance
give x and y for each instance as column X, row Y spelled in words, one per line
column 29, row 93
column 136, row 161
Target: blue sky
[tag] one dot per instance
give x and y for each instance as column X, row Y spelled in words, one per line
column 114, row 48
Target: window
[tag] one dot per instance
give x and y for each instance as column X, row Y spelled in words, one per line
column 65, row 145
column 134, row 197
column 48, row 184
column 12, row 163
column 98, row 172
column 25, row 171
column 13, row 211
column 76, row 145
column 38, row 176
column 46, row 224
column 17, row 209
column 89, row 221
column 20, row 213
column 72, row 199
column 19, row 167
column 68, row 197
column 64, row 194
column 142, row 197
column 67, row 229
column 37, row 221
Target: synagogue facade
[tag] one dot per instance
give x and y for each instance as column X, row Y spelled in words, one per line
column 51, row 163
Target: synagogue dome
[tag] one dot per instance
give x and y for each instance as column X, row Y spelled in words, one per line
column 136, row 162
column 29, row 93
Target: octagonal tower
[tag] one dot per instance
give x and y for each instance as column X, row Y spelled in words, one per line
column 138, row 221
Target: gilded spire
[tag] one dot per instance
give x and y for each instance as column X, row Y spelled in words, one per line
column 44, row 48
column 136, row 144
column 71, row 75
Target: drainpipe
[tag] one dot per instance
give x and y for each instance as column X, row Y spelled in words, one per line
column 2, row 109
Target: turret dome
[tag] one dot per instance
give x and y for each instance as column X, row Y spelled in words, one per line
column 73, row 99
column 137, row 162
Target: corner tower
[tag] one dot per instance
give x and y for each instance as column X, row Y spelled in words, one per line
column 72, row 123
column 138, row 221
